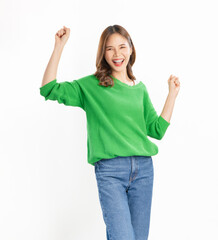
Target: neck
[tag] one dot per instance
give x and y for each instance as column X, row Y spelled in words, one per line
column 122, row 76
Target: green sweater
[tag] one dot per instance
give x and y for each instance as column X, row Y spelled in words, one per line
column 119, row 118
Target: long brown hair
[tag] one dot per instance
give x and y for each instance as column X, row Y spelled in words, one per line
column 103, row 68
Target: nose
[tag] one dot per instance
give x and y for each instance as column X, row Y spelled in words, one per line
column 116, row 53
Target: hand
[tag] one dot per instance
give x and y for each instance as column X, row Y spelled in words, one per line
column 174, row 85
column 62, row 36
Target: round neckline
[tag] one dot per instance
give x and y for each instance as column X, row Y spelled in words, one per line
column 125, row 84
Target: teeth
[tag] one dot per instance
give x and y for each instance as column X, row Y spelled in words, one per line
column 118, row 61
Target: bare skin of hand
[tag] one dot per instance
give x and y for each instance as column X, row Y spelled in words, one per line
column 62, row 36
column 174, row 85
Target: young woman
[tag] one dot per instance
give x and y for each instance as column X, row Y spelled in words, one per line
column 120, row 116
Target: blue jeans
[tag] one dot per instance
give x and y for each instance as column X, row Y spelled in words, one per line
column 125, row 186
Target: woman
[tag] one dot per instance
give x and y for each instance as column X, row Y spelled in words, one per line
column 120, row 116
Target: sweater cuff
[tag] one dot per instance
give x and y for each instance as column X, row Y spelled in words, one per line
column 164, row 124
column 45, row 89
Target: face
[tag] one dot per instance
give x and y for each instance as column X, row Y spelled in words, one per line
column 117, row 48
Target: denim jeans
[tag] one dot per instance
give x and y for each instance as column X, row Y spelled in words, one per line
column 125, row 186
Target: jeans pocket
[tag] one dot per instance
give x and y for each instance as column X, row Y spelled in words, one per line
column 108, row 162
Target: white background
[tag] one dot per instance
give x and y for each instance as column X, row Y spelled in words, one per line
column 48, row 191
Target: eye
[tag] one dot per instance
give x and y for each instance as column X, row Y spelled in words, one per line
column 110, row 48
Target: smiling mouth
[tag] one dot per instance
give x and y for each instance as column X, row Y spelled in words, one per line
column 118, row 63
column 118, row 60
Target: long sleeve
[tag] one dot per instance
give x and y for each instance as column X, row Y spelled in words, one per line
column 67, row 93
column 156, row 125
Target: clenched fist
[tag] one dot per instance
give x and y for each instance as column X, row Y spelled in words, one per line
column 62, row 36
column 174, row 85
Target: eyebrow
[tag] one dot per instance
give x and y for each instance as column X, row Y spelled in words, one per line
column 119, row 45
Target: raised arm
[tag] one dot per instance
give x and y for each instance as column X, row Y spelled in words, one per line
column 61, row 38
column 156, row 125
column 174, row 87
column 68, row 93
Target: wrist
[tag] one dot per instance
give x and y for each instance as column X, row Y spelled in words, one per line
column 58, row 47
column 172, row 95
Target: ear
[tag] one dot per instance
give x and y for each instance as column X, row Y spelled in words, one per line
column 130, row 51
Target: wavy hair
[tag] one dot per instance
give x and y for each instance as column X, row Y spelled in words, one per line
column 103, row 68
